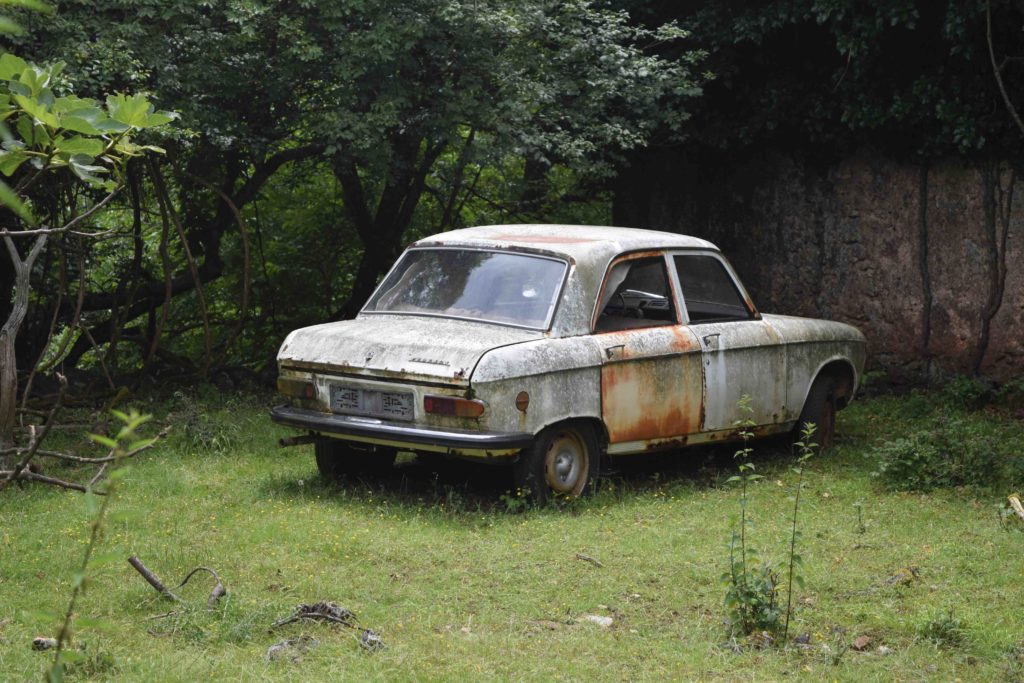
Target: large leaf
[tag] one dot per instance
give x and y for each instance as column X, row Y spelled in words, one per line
column 10, row 161
column 131, row 111
column 37, row 110
column 83, row 120
column 91, row 147
column 10, row 66
column 24, row 127
column 82, row 166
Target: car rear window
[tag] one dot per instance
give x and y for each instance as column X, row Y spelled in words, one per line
column 470, row 284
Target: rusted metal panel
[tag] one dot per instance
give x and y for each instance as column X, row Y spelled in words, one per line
column 650, row 383
column 659, row 387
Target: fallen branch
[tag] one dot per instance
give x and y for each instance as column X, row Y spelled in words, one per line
column 152, row 579
column 25, row 474
column 218, row 590
column 29, row 475
column 37, row 439
column 587, row 558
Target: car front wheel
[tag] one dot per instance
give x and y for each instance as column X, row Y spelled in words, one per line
column 563, row 461
column 337, row 460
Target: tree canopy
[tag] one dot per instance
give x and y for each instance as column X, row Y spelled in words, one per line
column 394, row 119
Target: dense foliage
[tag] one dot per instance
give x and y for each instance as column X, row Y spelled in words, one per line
column 318, row 137
column 822, row 77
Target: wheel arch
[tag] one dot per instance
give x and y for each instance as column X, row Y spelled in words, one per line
column 595, row 423
column 843, row 372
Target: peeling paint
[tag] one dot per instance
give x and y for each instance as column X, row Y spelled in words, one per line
column 660, row 387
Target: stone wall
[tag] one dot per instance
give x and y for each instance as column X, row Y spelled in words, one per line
column 927, row 261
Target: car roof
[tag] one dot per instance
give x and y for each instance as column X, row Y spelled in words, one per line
column 579, row 242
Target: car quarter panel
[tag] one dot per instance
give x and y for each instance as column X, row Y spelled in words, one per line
column 812, row 344
column 561, row 376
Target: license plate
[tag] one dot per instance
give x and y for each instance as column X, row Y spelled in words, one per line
column 395, row 405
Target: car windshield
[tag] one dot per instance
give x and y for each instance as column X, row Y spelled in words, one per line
column 492, row 286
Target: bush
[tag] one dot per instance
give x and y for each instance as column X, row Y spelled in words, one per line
column 949, row 452
column 966, row 392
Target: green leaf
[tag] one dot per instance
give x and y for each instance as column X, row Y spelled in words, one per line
column 91, row 147
column 11, row 65
column 37, row 110
column 14, row 203
column 83, row 119
column 72, row 656
column 141, row 443
column 799, row 580
column 56, row 672
column 26, row 129
column 77, row 579
column 11, row 27
column 103, row 440
column 19, row 88
column 131, row 111
column 10, row 161
column 82, row 167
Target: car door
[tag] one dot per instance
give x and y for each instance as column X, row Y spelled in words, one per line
column 742, row 354
column 651, row 383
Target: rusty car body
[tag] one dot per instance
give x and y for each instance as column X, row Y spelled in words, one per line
column 551, row 347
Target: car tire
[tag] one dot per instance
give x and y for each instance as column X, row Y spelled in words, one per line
column 562, row 462
column 338, row 460
column 820, row 409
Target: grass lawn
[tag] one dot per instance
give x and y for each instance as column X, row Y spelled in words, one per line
column 460, row 588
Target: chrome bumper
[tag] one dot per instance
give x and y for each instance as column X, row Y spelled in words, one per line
column 398, row 433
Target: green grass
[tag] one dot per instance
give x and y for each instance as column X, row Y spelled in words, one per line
column 461, row 589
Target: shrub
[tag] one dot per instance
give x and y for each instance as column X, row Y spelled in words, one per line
column 965, row 392
column 949, row 452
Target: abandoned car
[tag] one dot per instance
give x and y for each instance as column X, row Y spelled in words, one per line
column 550, row 347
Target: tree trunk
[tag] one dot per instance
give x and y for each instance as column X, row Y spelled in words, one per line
column 8, row 337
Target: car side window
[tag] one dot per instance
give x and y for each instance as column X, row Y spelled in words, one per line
column 636, row 294
column 709, row 292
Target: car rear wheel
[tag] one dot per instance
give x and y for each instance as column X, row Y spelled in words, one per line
column 562, row 462
column 819, row 409
column 338, row 460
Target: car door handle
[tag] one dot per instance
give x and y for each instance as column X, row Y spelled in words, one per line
column 709, row 337
column 609, row 351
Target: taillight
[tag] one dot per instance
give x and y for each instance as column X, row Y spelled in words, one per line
column 447, row 405
column 296, row 387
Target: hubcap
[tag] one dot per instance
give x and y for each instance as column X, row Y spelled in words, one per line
column 566, row 464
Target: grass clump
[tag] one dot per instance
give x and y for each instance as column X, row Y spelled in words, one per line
column 944, row 630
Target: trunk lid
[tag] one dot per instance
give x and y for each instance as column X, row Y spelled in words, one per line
column 416, row 348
